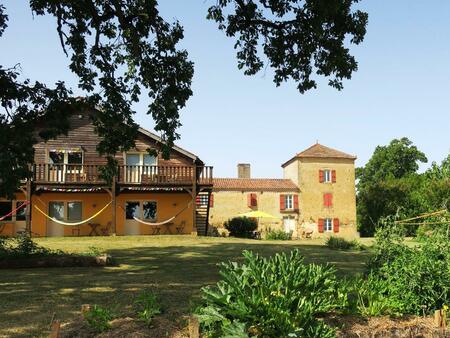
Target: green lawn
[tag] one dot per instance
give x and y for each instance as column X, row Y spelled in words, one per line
column 175, row 267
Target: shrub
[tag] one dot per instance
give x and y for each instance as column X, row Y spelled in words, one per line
column 338, row 243
column 242, row 227
column 279, row 235
column 147, row 303
column 418, row 277
column 279, row 296
column 22, row 246
column 98, row 318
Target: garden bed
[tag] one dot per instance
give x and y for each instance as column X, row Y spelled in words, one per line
column 380, row 327
column 48, row 261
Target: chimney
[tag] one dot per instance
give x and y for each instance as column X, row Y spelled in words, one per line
column 243, row 170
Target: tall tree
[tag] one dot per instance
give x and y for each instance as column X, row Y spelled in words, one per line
column 122, row 49
column 389, row 182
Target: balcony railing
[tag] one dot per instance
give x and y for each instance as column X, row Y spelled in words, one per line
column 45, row 173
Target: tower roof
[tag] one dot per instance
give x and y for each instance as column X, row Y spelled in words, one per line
column 320, row 151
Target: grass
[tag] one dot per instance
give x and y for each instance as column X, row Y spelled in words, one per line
column 174, row 267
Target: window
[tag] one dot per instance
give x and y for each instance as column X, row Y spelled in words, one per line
column 252, row 200
column 131, row 210
column 74, row 211
column 56, row 210
column 5, row 209
column 140, row 159
column 327, row 176
column 328, row 224
column 21, row 213
column 288, row 202
column 149, row 208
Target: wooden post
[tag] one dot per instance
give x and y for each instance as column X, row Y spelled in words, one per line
column 440, row 318
column 56, row 326
column 28, row 207
column 113, row 204
column 194, row 205
column 194, row 327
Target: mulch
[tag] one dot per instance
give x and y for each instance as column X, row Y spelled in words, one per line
column 347, row 327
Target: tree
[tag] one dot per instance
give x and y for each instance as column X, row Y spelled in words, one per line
column 123, row 49
column 396, row 160
column 389, row 183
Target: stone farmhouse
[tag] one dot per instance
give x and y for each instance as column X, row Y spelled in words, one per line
column 316, row 197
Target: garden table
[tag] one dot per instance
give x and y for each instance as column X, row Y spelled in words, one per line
column 167, row 226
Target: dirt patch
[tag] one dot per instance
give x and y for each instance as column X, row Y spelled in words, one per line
column 128, row 327
column 55, row 261
column 380, row 327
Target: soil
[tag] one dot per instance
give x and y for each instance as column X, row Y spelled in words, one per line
column 347, row 327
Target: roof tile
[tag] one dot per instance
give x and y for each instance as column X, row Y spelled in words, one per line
column 254, row 184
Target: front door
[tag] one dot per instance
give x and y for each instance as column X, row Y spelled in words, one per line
column 55, row 210
column 289, row 224
column 132, row 209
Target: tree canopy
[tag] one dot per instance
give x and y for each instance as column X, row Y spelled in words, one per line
column 122, row 50
column 390, row 183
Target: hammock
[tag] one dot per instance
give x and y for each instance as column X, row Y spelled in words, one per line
column 73, row 223
column 15, row 210
column 163, row 222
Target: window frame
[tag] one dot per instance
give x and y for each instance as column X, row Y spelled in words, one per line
column 325, row 223
column 141, row 157
column 327, row 173
column 288, row 199
column 66, row 208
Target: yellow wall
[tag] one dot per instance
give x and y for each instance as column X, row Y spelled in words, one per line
column 229, row 204
column 168, row 204
column 311, row 197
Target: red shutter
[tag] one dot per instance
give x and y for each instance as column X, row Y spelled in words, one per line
column 320, row 224
column 336, row 225
column 282, row 207
column 333, row 176
column 254, row 200
column 211, row 200
column 328, row 200
column 295, row 202
column 197, row 200
column 321, row 176
column 249, row 200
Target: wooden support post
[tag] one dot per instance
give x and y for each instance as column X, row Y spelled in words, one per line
column 440, row 318
column 28, row 207
column 194, row 205
column 194, row 327
column 114, row 204
column 56, row 326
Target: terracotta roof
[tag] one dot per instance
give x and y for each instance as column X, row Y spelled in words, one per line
column 320, row 151
column 253, row 184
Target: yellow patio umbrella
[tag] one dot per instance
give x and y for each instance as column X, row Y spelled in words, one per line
column 257, row 214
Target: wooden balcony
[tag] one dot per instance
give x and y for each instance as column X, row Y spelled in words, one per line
column 128, row 175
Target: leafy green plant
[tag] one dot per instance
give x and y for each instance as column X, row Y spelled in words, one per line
column 148, row 305
column 338, row 243
column 93, row 251
column 242, row 227
column 418, row 276
column 98, row 318
column 22, row 245
column 279, row 296
column 278, row 235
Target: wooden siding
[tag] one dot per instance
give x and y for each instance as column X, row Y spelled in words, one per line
column 82, row 134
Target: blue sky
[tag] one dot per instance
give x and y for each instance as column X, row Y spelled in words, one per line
column 402, row 87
